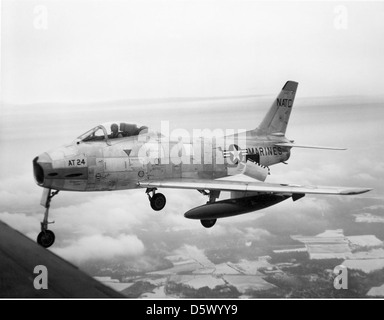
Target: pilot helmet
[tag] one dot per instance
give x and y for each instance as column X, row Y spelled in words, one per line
column 114, row 127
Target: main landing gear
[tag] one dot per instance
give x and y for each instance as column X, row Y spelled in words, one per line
column 208, row 223
column 46, row 237
column 213, row 195
column 157, row 200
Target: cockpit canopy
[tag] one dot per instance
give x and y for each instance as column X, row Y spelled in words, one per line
column 112, row 130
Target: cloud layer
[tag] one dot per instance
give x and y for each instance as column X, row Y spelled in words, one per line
column 101, row 247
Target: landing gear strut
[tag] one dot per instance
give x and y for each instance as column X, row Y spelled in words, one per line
column 157, row 200
column 46, row 237
column 212, row 194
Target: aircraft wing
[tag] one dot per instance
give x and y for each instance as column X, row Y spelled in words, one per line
column 263, row 187
column 20, row 255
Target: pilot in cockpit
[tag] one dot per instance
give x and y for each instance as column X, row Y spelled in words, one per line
column 115, row 132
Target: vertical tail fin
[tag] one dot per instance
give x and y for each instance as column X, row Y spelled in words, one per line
column 276, row 120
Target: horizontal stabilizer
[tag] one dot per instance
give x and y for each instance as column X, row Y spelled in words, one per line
column 293, row 145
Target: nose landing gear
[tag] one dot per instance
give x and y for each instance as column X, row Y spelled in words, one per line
column 46, row 237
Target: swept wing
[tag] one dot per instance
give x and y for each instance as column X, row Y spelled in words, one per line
column 256, row 186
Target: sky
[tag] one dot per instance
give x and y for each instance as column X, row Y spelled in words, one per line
column 67, row 66
column 87, row 51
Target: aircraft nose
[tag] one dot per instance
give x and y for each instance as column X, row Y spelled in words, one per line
column 41, row 164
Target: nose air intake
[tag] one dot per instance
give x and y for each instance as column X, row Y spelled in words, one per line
column 42, row 164
column 38, row 171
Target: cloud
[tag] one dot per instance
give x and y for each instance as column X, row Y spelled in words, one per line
column 104, row 213
column 307, row 215
column 194, row 253
column 375, row 207
column 127, row 211
column 255, row 234
column 19, row 191
column 101, row 247
column 26, row 224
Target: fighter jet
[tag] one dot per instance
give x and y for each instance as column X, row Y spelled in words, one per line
column 121, row 155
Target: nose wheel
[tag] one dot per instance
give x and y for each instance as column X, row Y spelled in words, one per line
column 46, row 237
column 157, row 200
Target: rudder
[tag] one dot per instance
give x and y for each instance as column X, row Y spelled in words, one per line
column 276, row 120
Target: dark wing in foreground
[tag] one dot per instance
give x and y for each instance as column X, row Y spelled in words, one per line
column 19, row 256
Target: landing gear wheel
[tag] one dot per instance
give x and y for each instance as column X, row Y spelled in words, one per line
column 158, row 201
column 46, row 238
column 208, row 223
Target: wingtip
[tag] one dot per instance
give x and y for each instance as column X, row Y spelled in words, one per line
column 355, row 191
